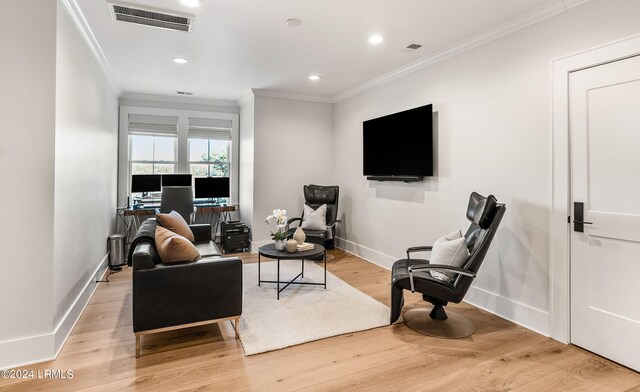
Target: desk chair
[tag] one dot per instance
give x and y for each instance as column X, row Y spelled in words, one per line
column 179, row 199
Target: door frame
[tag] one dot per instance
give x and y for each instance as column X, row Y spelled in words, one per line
column 559, row 227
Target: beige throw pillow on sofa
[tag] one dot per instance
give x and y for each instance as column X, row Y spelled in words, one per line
column 449, row 250
column 174, row 248
column 175, row 222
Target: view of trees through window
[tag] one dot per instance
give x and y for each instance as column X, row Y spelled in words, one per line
column 209, row 157
column 153, row 154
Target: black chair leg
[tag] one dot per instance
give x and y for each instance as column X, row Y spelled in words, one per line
column 397, row 302
column 438, row 313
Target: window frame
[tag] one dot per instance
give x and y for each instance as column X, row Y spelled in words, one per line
column 226, row 163
column 154, row 162
column 229, row 113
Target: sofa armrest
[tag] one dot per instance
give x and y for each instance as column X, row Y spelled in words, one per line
column 201, row 232
column 143, row 257
column 171, row 295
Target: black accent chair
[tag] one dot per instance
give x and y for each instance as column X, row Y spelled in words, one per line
column 315, row 196
column 485, row 215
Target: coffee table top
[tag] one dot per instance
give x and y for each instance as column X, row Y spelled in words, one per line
column 270, row 250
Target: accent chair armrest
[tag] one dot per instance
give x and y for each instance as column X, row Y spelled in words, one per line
column 426, row 248
column 333, row 223
column 441, row 267
column 290, row 221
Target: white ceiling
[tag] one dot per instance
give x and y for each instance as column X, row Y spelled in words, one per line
column 237, row 45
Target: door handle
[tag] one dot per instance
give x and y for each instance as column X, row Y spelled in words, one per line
column 578, row 214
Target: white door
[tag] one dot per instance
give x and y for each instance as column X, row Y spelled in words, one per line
column 604, row 121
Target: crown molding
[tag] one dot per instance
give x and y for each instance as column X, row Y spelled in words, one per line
column 287, row 95
column 573, row 3
column 83, row 26
column 543, row 12
column 177, row 99
column 246, row 99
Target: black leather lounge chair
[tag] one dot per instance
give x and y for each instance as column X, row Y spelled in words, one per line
column 485, row 215
column 314, row 197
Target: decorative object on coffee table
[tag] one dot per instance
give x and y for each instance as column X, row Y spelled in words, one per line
column 299, row 235
column 292, row 246
column 316, row 253
column 280, row 235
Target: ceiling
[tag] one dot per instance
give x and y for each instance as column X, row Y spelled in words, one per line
column 237, row 45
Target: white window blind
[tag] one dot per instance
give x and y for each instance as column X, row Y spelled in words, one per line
column 208, row 128
column 144, row 124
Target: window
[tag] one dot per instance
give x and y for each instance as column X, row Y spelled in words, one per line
column 175, row 141
column 152, row 154
column 209, row 157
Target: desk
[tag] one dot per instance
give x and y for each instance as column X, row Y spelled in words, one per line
column 216, row 213
column 132, row 218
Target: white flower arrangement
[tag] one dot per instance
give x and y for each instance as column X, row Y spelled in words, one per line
column 280, row 217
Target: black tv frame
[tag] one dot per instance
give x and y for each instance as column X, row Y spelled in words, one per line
column 429, row 145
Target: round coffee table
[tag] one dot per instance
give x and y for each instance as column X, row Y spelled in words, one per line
column 271, row 252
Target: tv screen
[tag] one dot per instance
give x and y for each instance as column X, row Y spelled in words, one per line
column 209, row 187
column 399, row 144
column 145, row 183
column 176, row 180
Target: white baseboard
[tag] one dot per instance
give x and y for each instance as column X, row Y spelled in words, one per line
column 524, row 315
column 65, row 326
column 371, row 255
column 46, row 347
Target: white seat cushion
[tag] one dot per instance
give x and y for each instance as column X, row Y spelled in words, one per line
column 449, row 250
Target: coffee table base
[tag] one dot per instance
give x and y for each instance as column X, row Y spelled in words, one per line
column 293, row 281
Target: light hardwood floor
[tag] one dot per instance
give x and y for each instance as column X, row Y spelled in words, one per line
column 500, row 356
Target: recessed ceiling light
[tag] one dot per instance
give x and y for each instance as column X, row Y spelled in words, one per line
column 191, row 3
column 314, row 77
column 375, row 39
column 293, row 22
column 180, row 60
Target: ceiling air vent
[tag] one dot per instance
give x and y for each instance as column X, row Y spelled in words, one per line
column 184, row 92
column 132, row 13
column 414, row 46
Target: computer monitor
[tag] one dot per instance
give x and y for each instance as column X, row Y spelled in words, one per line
column 145, row 183
column 210, row 187
column 176, row 180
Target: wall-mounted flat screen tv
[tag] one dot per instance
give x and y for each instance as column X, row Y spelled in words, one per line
column 399, row 146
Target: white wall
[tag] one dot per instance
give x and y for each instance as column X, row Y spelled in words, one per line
column 59, row 114
column 246, row 161
column 86, row 153
column 493, row 136
column 27, row 104
column 292, row 147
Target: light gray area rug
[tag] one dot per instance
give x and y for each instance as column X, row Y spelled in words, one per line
column 303, row 313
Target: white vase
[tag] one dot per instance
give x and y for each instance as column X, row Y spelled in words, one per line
column 299, row 235
column 280, row 244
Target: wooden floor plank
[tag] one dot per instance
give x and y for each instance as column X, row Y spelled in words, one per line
column 500, row 356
